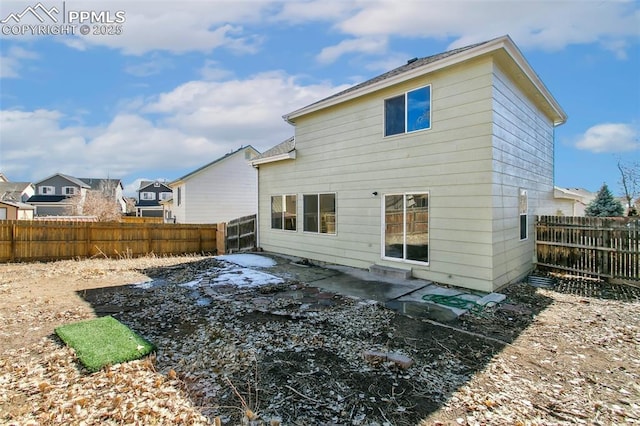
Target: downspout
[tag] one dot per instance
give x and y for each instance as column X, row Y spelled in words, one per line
column 257, row 205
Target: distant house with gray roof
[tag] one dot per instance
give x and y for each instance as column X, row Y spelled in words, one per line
column 150, row 194
column 54, row 195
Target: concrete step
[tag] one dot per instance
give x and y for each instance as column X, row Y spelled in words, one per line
column 389, row 272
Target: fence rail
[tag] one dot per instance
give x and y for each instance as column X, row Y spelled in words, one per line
column 22, row 240
column 606, row 248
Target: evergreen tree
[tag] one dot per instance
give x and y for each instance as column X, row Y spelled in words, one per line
column 604, row 205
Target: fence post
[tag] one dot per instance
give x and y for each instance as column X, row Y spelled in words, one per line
column 221, row 238
column 13, row 242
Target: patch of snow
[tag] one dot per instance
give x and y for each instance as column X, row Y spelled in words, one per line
column 248, row 260
column 191, row 284
column 145, row 285
column 243, row 277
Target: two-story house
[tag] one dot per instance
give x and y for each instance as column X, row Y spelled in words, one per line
column 63, row 195
column 436, row 168
column 150, row 194
column 53, row 195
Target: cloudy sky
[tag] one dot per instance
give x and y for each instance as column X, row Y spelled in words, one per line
column 173, row 85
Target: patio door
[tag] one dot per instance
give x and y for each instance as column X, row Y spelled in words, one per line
column 406, row 227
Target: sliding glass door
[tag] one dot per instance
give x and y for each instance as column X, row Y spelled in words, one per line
column 406, row 227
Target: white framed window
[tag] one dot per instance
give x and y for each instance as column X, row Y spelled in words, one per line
column 147, row 196
column 284, row 212
column 165, row 195
column 179, row 196
column 319, row 211
column 523, row 207
column 69, row 190
column 406, row 227
column 408, row 112
column 47, row 190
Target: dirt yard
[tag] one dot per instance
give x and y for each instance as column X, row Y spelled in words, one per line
column 286, row 353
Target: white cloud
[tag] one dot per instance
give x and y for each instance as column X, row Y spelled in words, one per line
column 153, row 65
column 609, row 137
column 542, row 25
column 174, row 132
column 12, row 63
column 255, row 106
column 177, row 27
column 370, row 45
column 203, row 26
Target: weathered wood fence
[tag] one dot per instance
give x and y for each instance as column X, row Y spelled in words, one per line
column 22, row 240
column 607, row 248
column 241, row 234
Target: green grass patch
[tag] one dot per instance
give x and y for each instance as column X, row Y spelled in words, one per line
column 103, row 341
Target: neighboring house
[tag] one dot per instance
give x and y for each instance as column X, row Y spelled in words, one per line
column 53, row 195
column 436, row 167
column 224, row 189
column 16, row 191
column 150, row 193
column 112, row 188
column 15, row 210
column 568, row 202
column 3, row 178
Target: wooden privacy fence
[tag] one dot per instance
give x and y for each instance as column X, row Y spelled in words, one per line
column 241, row 234
column 22, row 240
column 606, row 248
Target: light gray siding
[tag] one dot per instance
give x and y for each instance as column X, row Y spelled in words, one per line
column 343, row 150
column 523, row 158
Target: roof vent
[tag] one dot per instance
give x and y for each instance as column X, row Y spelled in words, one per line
column 412, row 60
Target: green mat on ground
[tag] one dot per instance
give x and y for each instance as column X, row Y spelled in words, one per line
column 103, row 341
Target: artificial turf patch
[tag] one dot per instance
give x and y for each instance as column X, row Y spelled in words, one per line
column 103, row 341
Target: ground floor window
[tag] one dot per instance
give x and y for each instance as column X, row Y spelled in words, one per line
column 283, row 212
column 319, row 213
column 406, row 226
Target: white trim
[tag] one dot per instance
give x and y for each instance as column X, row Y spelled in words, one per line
column 286, row 156
column 335, row 212
column 404, row 229
column 41, row 190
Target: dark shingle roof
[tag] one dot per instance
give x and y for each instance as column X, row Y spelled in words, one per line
column 47, row 198
column 97, row 183
column 410, row 65
column 282, row 148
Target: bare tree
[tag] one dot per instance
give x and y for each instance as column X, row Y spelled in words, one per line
column 100, row 203
column 630, row 182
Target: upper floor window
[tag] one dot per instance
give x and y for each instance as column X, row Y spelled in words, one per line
column 408, row 112
column 179, row 196
column 47, row 190
column 69, row 190
column 148, row 195
column 165, row 195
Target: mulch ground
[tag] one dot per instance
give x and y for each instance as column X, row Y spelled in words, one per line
column 569, row 354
